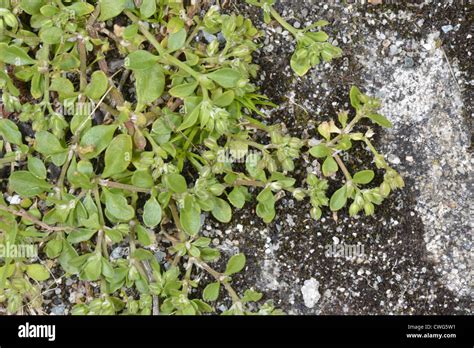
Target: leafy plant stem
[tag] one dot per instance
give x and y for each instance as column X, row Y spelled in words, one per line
column 119, row 185
column 83, row 64
column 24, row 214
column 161, row 51
column 219, row 277
column 174, row 213
column 343, row 167
column 99, row 206
column 284, row 23
column 346, row 129
column 64, row 168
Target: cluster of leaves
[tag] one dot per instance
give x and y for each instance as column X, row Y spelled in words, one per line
column 144, row 170
column 311, row 47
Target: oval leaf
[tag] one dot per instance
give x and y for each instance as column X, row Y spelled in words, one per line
column 152, row 213
column 118, row 155
column 363, row 177
column 338, row 199
column 236, row 264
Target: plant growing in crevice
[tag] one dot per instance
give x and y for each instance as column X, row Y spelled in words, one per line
column 142, row 167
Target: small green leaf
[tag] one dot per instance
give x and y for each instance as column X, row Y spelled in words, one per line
column 184, row 90
column 320, row 151
column 225, row 99
column 111, row 8
column 63, row 86
column 176, row 40
column 363, row 177
column 211, row 291
column 190, row 119
column 140, row 60
column 47, row 144
column 92, row 268
column 37, row 272
column 176, row 182
column 32, row 7
column 320, row 23
column 190, row 216
column 96, row 140
column 380, row 120
column 53, row 248
column 236, row 264
column 117, row 206
column 118, row 155
column 142, row 178
column 338, row 199
column 202, row 242
column 237, row 198
column 329, row 166
column 152, row 213
column 319, row 36
column 98, row 85
column 14, row 55
column 354, row 97
column 149, row 84
column 37, row 167
column 68, row 253
column 144, row 236
column 51, row 35
column 81, row 8
column 300, row 63
column 222, row 211
column 26, row 184
column 148, row 8
column 251, row 296
column 325, row 130
column 226, row 77
column 9, row 131
column 266, row 211
column 80, row 235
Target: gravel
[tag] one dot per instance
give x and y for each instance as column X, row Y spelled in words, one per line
column 310, row 292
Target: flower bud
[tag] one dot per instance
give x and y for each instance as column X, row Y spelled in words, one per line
column 353, row 209
column 315, row 213
column 295, row 143
column 299, row 194
column 271, row 165
column 288, row 165
column 276, row 186
column 211, row 143
column 399, row 181
column 209, row 155
column 384, row 189
column 369, row 208
column 380, row 162
column 217, row 189
column 311, row 179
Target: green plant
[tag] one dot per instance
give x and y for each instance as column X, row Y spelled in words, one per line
column 104, row 168
column 311, row 47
